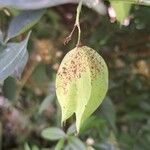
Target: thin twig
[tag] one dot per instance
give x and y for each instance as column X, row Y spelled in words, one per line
column 77, row 24
column 68, row 38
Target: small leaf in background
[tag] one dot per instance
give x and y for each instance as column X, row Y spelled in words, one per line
column 53, row 133
column 71, row 129
column 105, row 146
column 81, row 83
column 23, row 22
column 98, row 124
column 110, row 144
column 40, row 79
column 1, row 36
column 46, row 102
column 60, row 144
column 122, row 10
column 9, row 88
column 108, row 111
column 34, row 147
column 90, row 148
column 26, row 147
column 11, row 56
column 76, row 144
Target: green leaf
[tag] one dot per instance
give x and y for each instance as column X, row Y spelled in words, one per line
column 71, row 129
column 32, row 4
column 34, row 147
column 14, row 12
column 39, row 4
column 23, row 22
column 105, row 146
column 122, row 10
column 46, row 102
column 81, row 83
column 26, row 147
column 10, row 88
column 11, row 56
column 108, row 111
column 60, row 144
column 21, row 65
column 110, row 144
column 98, row 124
column 1, row 36
column 53, row 133
column 76, row 144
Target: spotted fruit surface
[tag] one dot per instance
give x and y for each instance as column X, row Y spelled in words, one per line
column 81, row 83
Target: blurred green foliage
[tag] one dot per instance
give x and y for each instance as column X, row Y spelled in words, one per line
column 121, row 122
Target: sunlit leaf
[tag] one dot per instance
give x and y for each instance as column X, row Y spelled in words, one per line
column 81, row 83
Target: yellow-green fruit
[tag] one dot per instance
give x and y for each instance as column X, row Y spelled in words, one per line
column 81, row 83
